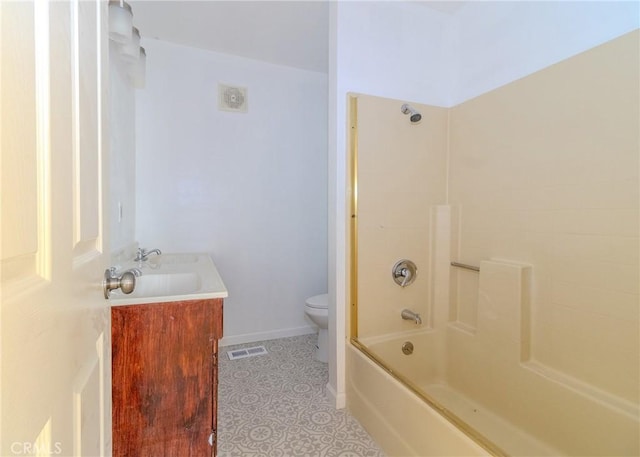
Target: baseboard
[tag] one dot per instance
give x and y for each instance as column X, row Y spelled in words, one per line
column 264, row 336
column 339, row 400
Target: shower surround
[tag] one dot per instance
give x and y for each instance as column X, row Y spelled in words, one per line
column 537, row 184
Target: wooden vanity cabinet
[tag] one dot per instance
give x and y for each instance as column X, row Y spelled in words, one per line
column 165, row 378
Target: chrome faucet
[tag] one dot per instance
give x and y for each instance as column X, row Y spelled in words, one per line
column 143, row 254
column 409, row 315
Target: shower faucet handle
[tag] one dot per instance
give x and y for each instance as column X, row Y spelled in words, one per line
column 404, row 272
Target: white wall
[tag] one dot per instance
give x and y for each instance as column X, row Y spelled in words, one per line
column 496, row 43
column 250, row 189
column 411, row 52
column 398, row 50
column 388, row 49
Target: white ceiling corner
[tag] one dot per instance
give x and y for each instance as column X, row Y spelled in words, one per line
column 293, row 33
column 290, row 33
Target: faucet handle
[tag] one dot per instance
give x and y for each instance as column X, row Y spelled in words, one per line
column 140, row 253
column 404, row 272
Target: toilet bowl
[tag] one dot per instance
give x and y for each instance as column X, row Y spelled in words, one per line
column 316, row 308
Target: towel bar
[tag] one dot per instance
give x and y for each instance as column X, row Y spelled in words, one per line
column 465, row 266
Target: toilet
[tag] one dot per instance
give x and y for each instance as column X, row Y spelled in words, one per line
column 316, row 308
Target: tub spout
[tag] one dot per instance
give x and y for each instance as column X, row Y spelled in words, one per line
column 409, row 315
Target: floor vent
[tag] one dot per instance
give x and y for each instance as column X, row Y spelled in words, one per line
column 246, row 352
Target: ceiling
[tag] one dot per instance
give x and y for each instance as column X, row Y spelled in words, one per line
column 291, row 33
column 287, row 33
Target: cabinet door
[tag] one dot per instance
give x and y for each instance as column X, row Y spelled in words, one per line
column 163, row 378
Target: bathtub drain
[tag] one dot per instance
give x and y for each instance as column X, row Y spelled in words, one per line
column 407, row 348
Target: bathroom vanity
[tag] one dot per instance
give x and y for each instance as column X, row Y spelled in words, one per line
column 165, row 359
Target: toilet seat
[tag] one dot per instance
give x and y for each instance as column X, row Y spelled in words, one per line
column 318, row 301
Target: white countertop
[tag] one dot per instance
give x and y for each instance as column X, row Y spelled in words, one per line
column 170, row 278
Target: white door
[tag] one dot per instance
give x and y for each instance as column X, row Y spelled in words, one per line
column 54, row 322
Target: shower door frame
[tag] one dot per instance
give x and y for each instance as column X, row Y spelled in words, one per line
column 481, row 440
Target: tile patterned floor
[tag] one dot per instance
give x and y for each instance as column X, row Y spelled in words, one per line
column 274, row 405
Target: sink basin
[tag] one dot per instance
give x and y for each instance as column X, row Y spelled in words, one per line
column 166, row 284
column 173, row 259
column 170, row 278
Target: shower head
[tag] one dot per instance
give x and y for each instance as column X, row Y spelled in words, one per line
column 415, row 116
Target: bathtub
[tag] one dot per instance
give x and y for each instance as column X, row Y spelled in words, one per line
column 399, row 420
column 412, row 405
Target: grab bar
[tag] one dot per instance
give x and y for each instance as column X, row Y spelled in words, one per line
column 465, row 266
